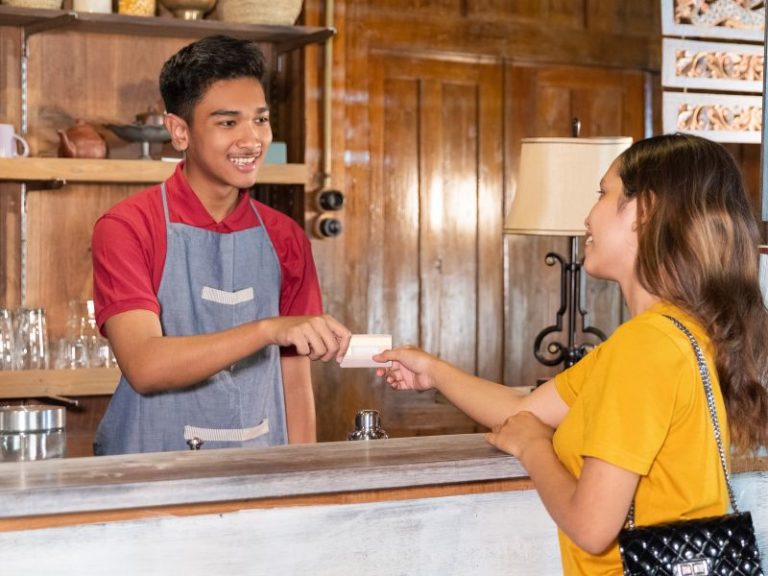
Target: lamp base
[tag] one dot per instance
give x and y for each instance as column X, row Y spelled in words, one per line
column 569, row 353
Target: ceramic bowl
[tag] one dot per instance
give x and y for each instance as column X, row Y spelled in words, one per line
column 188, row 9
column 140, row 132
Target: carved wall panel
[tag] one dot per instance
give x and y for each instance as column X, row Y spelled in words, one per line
column 720, row 117
column 712, row 65
column 738, row 19
column 715, row 67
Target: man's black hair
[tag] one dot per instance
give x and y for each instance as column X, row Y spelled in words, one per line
column 190, row 72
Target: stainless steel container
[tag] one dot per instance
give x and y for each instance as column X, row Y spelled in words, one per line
column 367, row 426
column 32, row 432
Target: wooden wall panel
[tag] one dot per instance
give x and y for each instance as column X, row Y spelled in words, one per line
column 59, row 266
column 427, row 130
column 393, row 279
column 541, row 101
column 368, row 276
column 510, row 69
column 10, row 113
column 101, row 79
column 343, row 262
column 448, row 251
column 598, row 32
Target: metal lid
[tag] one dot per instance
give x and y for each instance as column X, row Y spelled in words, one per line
column 367, row 420
column 31, row 418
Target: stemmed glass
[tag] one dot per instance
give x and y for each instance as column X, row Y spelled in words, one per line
column 83, row 346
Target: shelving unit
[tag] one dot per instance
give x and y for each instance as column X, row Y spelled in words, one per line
column 122, row 171
column 284, row 38
column 52, row 383
column 34, row 21
column 49, row 173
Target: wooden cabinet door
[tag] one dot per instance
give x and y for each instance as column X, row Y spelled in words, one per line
column 435, row 220
column 541, row 101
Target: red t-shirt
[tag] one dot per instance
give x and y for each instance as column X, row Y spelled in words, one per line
column 129, row 248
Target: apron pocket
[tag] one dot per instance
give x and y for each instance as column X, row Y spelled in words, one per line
column 226, row 434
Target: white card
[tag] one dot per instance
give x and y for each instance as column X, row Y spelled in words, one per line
column 362, row 348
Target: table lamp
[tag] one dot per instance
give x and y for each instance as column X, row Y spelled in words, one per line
column 556, row 188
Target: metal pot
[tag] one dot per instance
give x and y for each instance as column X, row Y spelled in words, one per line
column 32, row 432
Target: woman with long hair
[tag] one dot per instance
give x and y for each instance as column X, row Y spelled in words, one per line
column 672, row 225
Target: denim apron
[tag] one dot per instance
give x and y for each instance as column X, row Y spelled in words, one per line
column 210, row 282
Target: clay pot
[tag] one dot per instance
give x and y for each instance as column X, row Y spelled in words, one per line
column 82, row 141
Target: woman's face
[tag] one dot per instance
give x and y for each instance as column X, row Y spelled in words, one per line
column 611, row 242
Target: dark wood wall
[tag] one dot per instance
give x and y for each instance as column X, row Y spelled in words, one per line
column 431, row 99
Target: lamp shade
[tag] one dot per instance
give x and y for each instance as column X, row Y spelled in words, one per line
column 557, row 183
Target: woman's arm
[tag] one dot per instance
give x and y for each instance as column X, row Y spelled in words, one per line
column 590, row 510
column 484, row 401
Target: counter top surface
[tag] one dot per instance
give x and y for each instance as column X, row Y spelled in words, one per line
column 163, row 479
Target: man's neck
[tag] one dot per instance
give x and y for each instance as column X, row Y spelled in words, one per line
column 218, row 202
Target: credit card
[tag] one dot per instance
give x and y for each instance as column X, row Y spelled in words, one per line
column 362, row 348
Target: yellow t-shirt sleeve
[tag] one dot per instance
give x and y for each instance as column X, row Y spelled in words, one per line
column 569, row 382
column 629, row 403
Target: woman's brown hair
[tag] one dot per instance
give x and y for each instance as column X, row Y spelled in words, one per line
column 697, row 248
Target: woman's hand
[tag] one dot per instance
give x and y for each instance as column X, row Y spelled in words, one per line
column 520, row 433
column 318, row 337
column 410, row 370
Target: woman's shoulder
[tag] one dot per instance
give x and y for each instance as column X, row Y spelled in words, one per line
column 655, row 322
column 652, row 335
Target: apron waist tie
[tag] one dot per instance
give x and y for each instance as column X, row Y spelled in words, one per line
column 226, row 434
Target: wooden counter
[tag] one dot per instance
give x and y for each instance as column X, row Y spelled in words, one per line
column 435, row 505
column 141, row 481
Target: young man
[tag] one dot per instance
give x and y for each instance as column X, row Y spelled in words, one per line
column 209, row 299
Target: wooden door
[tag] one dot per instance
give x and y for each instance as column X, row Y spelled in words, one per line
column 434, row 269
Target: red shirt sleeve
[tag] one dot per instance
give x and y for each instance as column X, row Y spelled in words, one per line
column 125, row 274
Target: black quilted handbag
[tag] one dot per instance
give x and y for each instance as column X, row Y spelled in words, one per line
column 720, row 545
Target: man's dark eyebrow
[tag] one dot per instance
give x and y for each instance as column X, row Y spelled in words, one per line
column 224, row 112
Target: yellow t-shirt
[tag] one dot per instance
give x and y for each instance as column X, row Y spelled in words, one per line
column 638, row 402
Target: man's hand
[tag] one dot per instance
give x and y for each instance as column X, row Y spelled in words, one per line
column 317, row 337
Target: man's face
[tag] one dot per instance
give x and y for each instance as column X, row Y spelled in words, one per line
column 228, row 136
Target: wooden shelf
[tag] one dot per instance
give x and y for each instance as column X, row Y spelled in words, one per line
column 122, row 171
column 42, row 383
column 284, row 38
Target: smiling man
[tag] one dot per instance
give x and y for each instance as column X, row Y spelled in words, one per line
column 210, row 299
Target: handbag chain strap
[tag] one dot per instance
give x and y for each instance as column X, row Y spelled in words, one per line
column 704, row 371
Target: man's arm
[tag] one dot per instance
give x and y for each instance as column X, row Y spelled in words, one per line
column 299, row 400
column 152, row 362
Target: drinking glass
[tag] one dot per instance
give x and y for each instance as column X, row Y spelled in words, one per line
column 7, row 347
column 32, row 339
